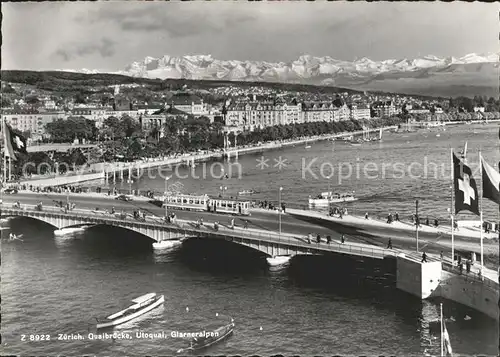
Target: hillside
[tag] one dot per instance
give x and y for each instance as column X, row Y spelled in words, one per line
column 73, row 81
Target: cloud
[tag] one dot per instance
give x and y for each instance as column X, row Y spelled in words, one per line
column 173, row 19
column 106, row 48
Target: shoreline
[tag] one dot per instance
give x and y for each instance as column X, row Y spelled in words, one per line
column 106, row 170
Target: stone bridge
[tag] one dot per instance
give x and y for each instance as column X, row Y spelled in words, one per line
column 269, row 243
column 423, row 280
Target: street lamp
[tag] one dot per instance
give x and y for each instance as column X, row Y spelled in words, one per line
column 223, row 188
column 166, row 192
column 417, row 221
column 279, row 211
column 129, row 181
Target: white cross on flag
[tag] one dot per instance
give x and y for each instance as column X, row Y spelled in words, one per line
column 15, row 144
column 466, row 196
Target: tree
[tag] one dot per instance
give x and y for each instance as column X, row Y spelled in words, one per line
column 32, row 100
column 73, row 127
column 80, row 99
column 6, row 102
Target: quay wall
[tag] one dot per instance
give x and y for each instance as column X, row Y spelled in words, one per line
column 64, row 180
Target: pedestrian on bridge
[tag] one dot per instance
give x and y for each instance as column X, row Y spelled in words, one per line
column 441, row 255
column 318, row 238
column 424, row 258
column 389, row 244
column 342, row 239
column 366, row 215
column 232, row 223
column 328, row 239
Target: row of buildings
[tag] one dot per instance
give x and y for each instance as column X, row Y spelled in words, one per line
column 247, row 114
column 253, row 114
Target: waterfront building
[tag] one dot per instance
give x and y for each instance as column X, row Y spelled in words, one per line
column 360, row 112
column 254, row 115
column 318, row 111
column 419, row 111
column 385, row 108
column 342, row 112
column 151, row 121
column 188, row 103
column 96, row 114
column 120, row 113
column 31, row 121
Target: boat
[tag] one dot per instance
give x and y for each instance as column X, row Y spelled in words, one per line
column 141, row 305
column 278, row 260
column 167, row 243
column 200, row 343
column 246, row 192
column 14, row 237
column 308, row 146
column 69, row 230
column 326, row 198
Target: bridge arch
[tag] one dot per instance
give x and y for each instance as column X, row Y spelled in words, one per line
column 60, row 220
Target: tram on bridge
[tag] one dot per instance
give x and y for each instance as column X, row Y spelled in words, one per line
column 207, row 204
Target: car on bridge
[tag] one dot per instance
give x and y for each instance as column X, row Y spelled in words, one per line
column 11, row 191
column 123, row 198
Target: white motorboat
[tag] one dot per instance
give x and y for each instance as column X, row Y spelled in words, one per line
column 167, row 243
column 246, row 192
column 69, row 230
column 278, row 260
column 327, row 198
column 141, row 305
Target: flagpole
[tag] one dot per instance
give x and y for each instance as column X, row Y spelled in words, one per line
column 451, row 208
column 10, row 168
column 441, row 319
column 481, row 213
column 4, row 152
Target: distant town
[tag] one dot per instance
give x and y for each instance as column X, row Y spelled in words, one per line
column 39, row 114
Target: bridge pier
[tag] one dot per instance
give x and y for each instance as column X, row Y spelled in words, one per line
column 416, row 278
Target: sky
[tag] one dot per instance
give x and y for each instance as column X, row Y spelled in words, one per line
column 108, row 36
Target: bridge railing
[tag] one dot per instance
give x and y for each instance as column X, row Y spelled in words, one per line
column 188, row 227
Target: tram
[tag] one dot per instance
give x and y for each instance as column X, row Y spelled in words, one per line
column 206, row 204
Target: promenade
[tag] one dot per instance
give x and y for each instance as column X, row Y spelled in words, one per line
column 112, row 169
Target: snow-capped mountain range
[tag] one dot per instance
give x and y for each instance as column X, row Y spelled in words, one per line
column 406, row 75
column 304, row 68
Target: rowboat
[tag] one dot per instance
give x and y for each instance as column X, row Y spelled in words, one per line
column 200, row 343
column 167, row 243
column 141, row 305
column 326, row 198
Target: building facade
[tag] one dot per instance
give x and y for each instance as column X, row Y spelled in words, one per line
column 32, row 122
column 189, row 104
column 360, row 112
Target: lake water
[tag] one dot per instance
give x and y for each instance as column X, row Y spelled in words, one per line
column 54, row 286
